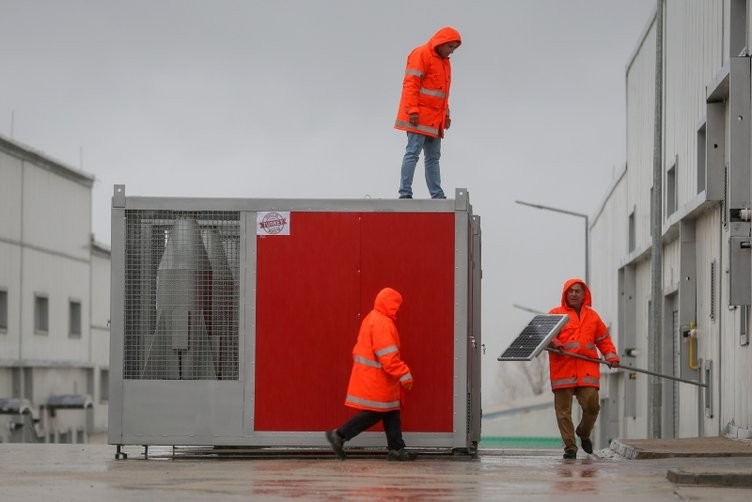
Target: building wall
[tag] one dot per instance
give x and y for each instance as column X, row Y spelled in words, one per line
column 642, row 287
column 10, row 281
column 640, row 89
column 46, row 249
column 10, row 194
column 56, row 213
column 61, row 280
column 608, row 230
column 697, row 45
column 100, row 335
column 709, row 311
column 693, row 55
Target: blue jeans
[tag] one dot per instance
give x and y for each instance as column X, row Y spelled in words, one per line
column 367, row 419
column 431, row 148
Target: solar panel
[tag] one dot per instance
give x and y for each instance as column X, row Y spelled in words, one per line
column 535, row 337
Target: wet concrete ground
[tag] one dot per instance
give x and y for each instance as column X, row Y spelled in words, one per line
column 90, row 472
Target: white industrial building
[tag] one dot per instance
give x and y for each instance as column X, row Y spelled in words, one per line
column 54, row 301
column 696, row 241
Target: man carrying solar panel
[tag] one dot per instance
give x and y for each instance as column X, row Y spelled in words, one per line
column 573, row 377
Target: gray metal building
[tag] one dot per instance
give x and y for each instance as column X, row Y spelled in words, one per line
column 54, row 300
column 688, row 142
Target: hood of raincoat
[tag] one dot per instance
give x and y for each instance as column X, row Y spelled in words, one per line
column 444, row 35
column 587, row 301
column 388, row 302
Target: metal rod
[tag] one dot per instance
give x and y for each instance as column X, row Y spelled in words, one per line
column 625, row 368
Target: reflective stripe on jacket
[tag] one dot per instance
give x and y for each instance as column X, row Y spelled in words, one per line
column 425, row 87
column 581, row 335
column 378, row 371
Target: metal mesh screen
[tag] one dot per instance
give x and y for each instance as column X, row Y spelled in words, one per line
column 181, row 295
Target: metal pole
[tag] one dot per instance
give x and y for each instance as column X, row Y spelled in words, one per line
column 571, row 213
column 587, row 252
column 656, row 231
column 527, row 309
column 626, row 368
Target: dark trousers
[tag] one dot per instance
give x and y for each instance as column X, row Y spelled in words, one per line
column 367, row 419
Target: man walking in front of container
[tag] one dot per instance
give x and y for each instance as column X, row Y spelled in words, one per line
column 573, row 377
column 424, row 109
column 377, row 374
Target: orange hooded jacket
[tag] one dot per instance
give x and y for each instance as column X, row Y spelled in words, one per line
column 377, row 370
column 425, row 87
column 581, row 335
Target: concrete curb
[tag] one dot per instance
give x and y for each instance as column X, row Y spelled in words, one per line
column 681, row 448
column 724, row 479
column 692, row 448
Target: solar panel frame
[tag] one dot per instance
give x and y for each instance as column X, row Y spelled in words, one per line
column 534, row 337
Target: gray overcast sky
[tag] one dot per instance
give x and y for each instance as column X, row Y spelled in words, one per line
column 295, row 98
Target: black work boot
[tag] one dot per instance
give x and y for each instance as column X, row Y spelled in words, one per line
column 570, row 453
column 337, row 443
column 401, row 455
column 587, row 445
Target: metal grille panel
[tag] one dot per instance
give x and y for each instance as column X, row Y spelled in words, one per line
column 534, row 337
column 181, row 295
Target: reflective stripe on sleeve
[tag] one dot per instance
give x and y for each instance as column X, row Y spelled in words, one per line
column 572, row 345
column 414, row 72
column 406, row 377
column 386, row 350
column 610, row 355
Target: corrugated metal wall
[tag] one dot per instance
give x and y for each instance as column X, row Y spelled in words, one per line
column 640, row 118
column 696, row 38
column 608, row 231
column 693, row 44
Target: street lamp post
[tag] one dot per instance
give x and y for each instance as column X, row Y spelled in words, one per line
column 571, row 213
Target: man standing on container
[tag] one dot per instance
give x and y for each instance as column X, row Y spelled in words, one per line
column 424, row 109
column 375, row 380
column 573, row 377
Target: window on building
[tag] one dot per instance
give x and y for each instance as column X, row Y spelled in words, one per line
column 631, row 238
column 671, row 191
column 41, row 314
column 3, row 310
column 74, row 317
column 104, row 386
column 701, row 159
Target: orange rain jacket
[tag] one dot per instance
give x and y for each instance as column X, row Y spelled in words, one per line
column 425, row 88
column 581, row 335
column 377, row 369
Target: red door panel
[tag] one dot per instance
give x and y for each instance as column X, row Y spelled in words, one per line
column 313, row 288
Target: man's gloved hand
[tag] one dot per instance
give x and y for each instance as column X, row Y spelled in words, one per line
column 613, row 364
column 407, row 385
column 556, row 344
